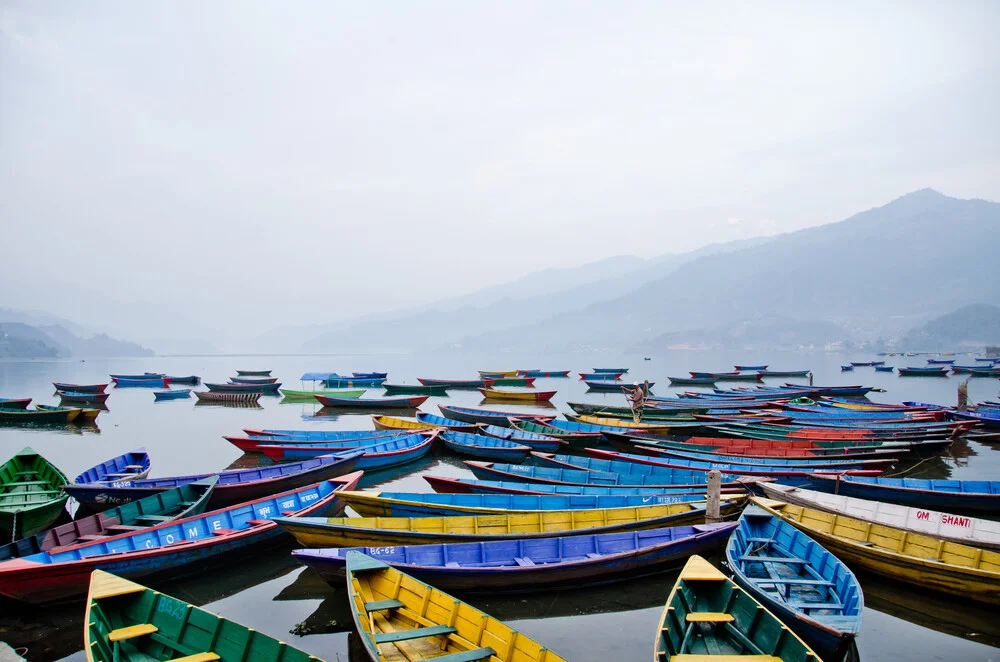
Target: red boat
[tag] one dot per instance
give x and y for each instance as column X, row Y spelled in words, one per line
column 372, row 403
column 14, row 403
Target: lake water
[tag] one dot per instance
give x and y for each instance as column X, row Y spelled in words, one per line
column 271, row 593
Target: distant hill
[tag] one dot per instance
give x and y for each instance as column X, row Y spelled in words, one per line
column 878, row 273
column 969, row 327
column 55, row 340
column 527, row 299
column 773, row 332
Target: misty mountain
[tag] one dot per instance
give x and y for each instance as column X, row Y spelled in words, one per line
column 878, row 273
column 969, row 327
column 534, row 297
column 52, row 338
column 761, row 332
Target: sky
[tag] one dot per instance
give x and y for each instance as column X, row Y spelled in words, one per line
column 193, row 168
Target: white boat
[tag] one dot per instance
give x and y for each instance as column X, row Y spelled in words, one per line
column 955, row 528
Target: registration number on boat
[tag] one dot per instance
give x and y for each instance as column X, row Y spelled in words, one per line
column 378, row 551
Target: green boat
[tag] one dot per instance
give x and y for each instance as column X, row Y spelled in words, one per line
column 707, row 616
column 37, row 416
column 31, row 495
column 127, row 622
column 293, row 394
column 415, row 389
column 513, row 381
column 648, row 414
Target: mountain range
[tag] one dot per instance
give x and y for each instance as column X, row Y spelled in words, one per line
column 38, row 334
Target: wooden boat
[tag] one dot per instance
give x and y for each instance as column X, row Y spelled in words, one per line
column 884, row 368
column 382, row 455
column 177, row 503
column 82, row 414
column 80, row 388
column 927, row 562
column 297, row 436
column 601, row 376
column 976, row 497
column 708, row 616
column 344, row 441
column 146, row 375
column 644, row 444
column 193, row 380
column 83, row 398
column 379, row 531
column 370, row 375
column 692, row 381
column 420, row 504
column 537, row 442
column 383, row 422
column 212, row 396
column 36, row 416
column 480, row 446
column 14, row 403
column 488, row 416
column 784, row 373
column 617, row 371
column 576, row 438
column 609, row 386
column 989, row 421
column 782, row 474
column 932, row 371
column 956, row 528
column 337, row 381
column 298, row 394
column 846, row 368
column 728, row 376
column 176, row 394
column 414, row 389
column 31, row 496
column 151, row 382
column 661, row 494
column 587, row 473
column 862, row 461
column 126, row 622
column 167, row 550
column 616, row 424
column 940, row 361
column 243, row 388
column 456, row 383
column 442, row 422
column 372, row 403
column 522, row 382
column 797, row 580
column 530, row 396
column 133, row 465
column 253, row 373
column 534, row 564
column 252, row 380
column 234, row 485
column 497, row 374
column 543, row 373
column 744, row 368
column 401, row 618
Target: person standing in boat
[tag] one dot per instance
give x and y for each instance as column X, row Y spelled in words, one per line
column 963, row 394
column 636, row 396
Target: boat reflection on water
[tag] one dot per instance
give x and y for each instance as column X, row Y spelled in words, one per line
column 53, row 632
column 935, row 612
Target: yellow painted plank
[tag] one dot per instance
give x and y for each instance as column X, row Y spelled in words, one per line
column 106, row 585
column 698, row 569
column 709, row 617
column 132, row 631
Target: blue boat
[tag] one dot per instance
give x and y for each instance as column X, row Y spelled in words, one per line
column 619, row 371
column 600, row 376
column 442, row 422
column 422, row 504
column 243, row 388
column 389, row 453
column 933, row 371
column 338, row 381
column 126, row 467
column 804, row 463
column 177, row 394
column 234, row 485
column 445, row 485
column 606, row 385
column 801, row 583
column 987, row 417
column 884, row 368
column 535, row 563
column 277, row 436
column 481, row 446
column 146, row 375
column 543, row 373
column 846, row 368
column 171, row 549
column 940, row 361
column 538, row 442
column 969, row 497
column 157, row 382
column 631, row 475
column 488, row 416
column 370, row 375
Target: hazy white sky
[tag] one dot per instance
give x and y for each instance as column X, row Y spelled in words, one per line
column 306, row 161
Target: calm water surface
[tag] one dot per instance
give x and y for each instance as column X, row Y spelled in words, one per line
column 273, row 594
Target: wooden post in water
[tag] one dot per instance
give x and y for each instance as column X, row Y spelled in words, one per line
column 712, row 513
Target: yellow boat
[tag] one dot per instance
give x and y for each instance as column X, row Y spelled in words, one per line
column 396, row 423
column 521, row 396
column 623, row 423
column 402, row 619
column 921, row 560
column 503, row 374
column 378, row 531
column 373, row 504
